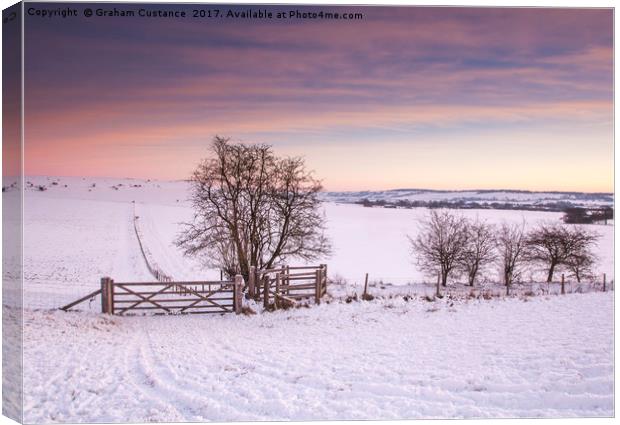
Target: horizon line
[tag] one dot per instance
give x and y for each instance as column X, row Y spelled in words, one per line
column 522, row 190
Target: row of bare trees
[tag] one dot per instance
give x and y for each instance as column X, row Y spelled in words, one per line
column 254, row 208
column 451, row 245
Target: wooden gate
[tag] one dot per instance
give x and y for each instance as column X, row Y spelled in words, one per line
column 168, row 297
column 288, row 284
column 285, row 285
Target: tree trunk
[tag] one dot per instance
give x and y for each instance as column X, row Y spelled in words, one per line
column 245, row 272
column 472, row 276
column 444, row 278
column 550, row 274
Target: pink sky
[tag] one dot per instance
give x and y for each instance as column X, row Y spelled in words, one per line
column 444, row 98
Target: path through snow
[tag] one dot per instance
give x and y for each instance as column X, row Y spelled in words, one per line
column 386, row 359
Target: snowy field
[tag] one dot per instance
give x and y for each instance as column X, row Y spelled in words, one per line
column 75, row 235
column 386, row 359
column 399, row 356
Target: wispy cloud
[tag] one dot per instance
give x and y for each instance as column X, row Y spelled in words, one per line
column 411, row 72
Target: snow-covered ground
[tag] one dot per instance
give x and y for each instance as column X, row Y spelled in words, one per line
column 385, row 359
column 374, row 241
column 75, row 235
column 398, row 356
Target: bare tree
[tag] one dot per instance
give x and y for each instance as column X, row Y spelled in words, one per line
column 439, row 243
column 581, row 259
column 511, row 247
column 547, row 245
column 580, row 266
column 252, row 208
column 555, row 245
column 479, row 249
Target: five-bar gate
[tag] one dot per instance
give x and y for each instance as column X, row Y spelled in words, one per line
column 167, row 297
column 171, row 297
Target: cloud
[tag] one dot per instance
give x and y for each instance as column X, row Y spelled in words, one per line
column 143, row 86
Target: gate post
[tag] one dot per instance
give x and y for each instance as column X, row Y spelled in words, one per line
column 110, row 295
column 238, row 293
column 252, row 282
column 317, row 286
column 324, row 280
column 265, row 291
column 104, row 294
column 276, row 298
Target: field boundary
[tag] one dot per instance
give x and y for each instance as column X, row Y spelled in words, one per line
column 151, row 264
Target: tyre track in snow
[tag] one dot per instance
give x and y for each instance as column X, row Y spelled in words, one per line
column 185, row 390
column 257, row 376
column 154, row 379
column 183, row 398
column 195, row 389
column 556, row 361
column 278, row 386
column 174, row 404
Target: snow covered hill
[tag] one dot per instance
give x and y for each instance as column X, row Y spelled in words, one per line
column 78, row 230
column 513, row 198
column 175, row 191
column 399, row 356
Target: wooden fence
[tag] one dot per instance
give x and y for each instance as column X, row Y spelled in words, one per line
column 288, row 285
column 154, row 269
column 285, row 285
column 168, row 297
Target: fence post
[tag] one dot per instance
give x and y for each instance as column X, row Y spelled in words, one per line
column 288, row 280
column 252, row 282
column 317, row 287
column 276, row 299
column 604, row 282
column 324, row 283
column 104, row 295
column 265, row 291
column 563, row 284
column 238, row 293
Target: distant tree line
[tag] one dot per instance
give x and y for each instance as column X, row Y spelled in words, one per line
column 449, row 245
column 588, row 215
column 573, row 215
